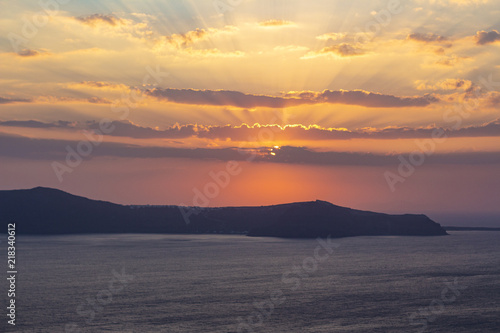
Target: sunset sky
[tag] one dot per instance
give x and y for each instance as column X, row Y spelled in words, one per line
column 391, row 106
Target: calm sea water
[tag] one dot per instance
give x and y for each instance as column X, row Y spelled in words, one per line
column 213, row 283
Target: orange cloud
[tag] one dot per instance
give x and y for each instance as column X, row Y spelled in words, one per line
column 99, row 85
column 186, row 39
column 183, row 40
column 275, row 23
column 448, row 84
column 343, row 50
column 66, row 99
column 332, row 36
column 451, row 61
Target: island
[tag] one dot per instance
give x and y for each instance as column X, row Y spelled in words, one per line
column 47, row 211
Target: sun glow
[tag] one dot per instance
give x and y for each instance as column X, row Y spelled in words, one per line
column 273, row 150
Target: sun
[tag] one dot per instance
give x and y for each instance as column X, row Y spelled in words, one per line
column 273, row 150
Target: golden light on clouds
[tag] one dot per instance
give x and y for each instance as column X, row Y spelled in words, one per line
column 309, row 86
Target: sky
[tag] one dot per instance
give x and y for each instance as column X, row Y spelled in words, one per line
column 390, row 106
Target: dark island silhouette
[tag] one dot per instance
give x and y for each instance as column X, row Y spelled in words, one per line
column 46, row 211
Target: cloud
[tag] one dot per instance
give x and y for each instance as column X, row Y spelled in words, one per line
column 190, row 37
column 314, row 132
column 123, row 128
column 426, row 38
column 275, row 23
column 101, row 84
column 343, row 50
column 451, row 61
column 280, row 133
column 448, row 84
column 239, row 99
column 494, row 100
column 99, row 18
column 98, row 100
column 37, row 124
column 185, row 43
column 483, row 37
column 28, row 53
column 221, row 97
column 66, row 99
column 7, row 100
column 184, row 40
column 332, row 36
column 363, row 98
column 16, row 146
column 303, row 155
column 129, row 129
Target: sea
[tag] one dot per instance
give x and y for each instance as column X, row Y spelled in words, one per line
column 233, row 283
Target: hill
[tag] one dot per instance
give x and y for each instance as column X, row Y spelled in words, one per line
column 49, row 211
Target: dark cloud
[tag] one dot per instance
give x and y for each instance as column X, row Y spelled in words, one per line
column 370, row 99
column 251, row 133
column 483, row 37
column 239, row 99
column 26, row 124
column 98, row 100
column 28, row 53
column 129, row 129
column 426, row 38
column 494, row 100
column 489, row 129
column 15, row 146
column 120, row 128
column 222, row 97
column 37, row 124
column 4, row 100
column 313, row 133
column 99, row 18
